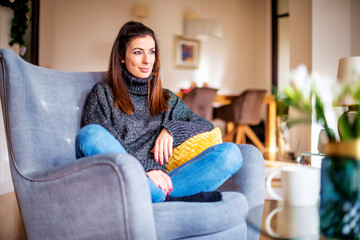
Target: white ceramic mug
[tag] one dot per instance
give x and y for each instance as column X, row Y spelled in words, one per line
column 300, row 185
column 293, row 222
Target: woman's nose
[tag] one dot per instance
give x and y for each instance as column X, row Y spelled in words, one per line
column 146, row 58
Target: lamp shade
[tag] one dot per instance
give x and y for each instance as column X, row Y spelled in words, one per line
column 202, row 27
column 347, row 67
column 347, row 72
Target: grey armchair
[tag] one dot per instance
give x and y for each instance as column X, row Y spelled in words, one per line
column 104, row 196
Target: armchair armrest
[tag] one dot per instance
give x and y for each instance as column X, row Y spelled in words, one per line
column 250, row 181
column 104, row 196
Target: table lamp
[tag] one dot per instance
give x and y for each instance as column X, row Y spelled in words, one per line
column 346, row 72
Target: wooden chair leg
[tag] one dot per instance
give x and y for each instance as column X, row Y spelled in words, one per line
column 279, row 132
column 240, row 134
column 230, row 132
column 250, row 133
column 229, row 137
column 230, row 127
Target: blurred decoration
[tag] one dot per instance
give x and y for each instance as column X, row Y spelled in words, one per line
column 140, row 11
column 349, row 77
column 19, row 23
column 347, row 66
column 194, row 26
column 187, row 52
column 347, row 72
column 340, row 169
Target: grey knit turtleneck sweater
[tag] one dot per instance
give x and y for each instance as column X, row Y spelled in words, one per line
column 137, row 133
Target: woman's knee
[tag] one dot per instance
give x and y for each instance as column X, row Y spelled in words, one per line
column 231, row 156
column 94, row 139
column 90, row 131
column 86, row 138
column 89, row 134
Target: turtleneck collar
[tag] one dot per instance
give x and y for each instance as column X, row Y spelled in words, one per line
column 138, row 86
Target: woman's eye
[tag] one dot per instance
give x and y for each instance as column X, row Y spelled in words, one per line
column 137, row 52
column 152, row 52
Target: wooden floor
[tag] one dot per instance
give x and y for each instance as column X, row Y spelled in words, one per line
column 11, row 227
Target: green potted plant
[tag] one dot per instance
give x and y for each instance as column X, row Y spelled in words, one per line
column 340, row 170
column 19, row 23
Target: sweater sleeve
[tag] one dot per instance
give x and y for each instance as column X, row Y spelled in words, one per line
column 97, row 108
column 184, row 123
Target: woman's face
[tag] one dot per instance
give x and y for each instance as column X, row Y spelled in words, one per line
column 140, row 56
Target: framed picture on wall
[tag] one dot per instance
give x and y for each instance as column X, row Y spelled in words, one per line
column 187, row 52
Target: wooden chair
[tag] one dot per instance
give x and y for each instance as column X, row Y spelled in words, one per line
column 200, row 101
column 243, row 112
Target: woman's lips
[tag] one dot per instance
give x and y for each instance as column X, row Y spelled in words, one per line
column 144, row 70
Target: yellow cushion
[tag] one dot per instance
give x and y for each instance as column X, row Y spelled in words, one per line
column 192, row 147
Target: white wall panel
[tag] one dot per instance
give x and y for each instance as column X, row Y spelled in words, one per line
column 5, row 177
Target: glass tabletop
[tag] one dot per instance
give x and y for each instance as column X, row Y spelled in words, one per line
column 280, row 221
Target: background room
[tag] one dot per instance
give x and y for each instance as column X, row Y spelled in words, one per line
column 77, row 35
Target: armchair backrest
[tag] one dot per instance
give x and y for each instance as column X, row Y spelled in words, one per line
column 42, row 110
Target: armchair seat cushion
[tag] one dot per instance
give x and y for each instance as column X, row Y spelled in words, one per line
column 174, row 220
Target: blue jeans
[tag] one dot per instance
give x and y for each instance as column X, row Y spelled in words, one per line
column 205, row 172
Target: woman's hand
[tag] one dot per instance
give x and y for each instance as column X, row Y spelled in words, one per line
column 161, row 179
column 163, row 146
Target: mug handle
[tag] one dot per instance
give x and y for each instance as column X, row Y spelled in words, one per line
column 269, row 188
column 268, row 221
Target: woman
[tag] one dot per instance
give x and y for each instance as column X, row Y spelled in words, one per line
column 130, row 112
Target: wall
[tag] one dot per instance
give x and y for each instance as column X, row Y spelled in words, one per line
column 283, row 52
column 331, row 27
column 355, row 27
column 78, row 36
column 5, row 177
column 300, row 25
column 300, row 33
column 283, row 45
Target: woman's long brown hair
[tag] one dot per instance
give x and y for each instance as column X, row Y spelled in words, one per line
column 157, row 98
